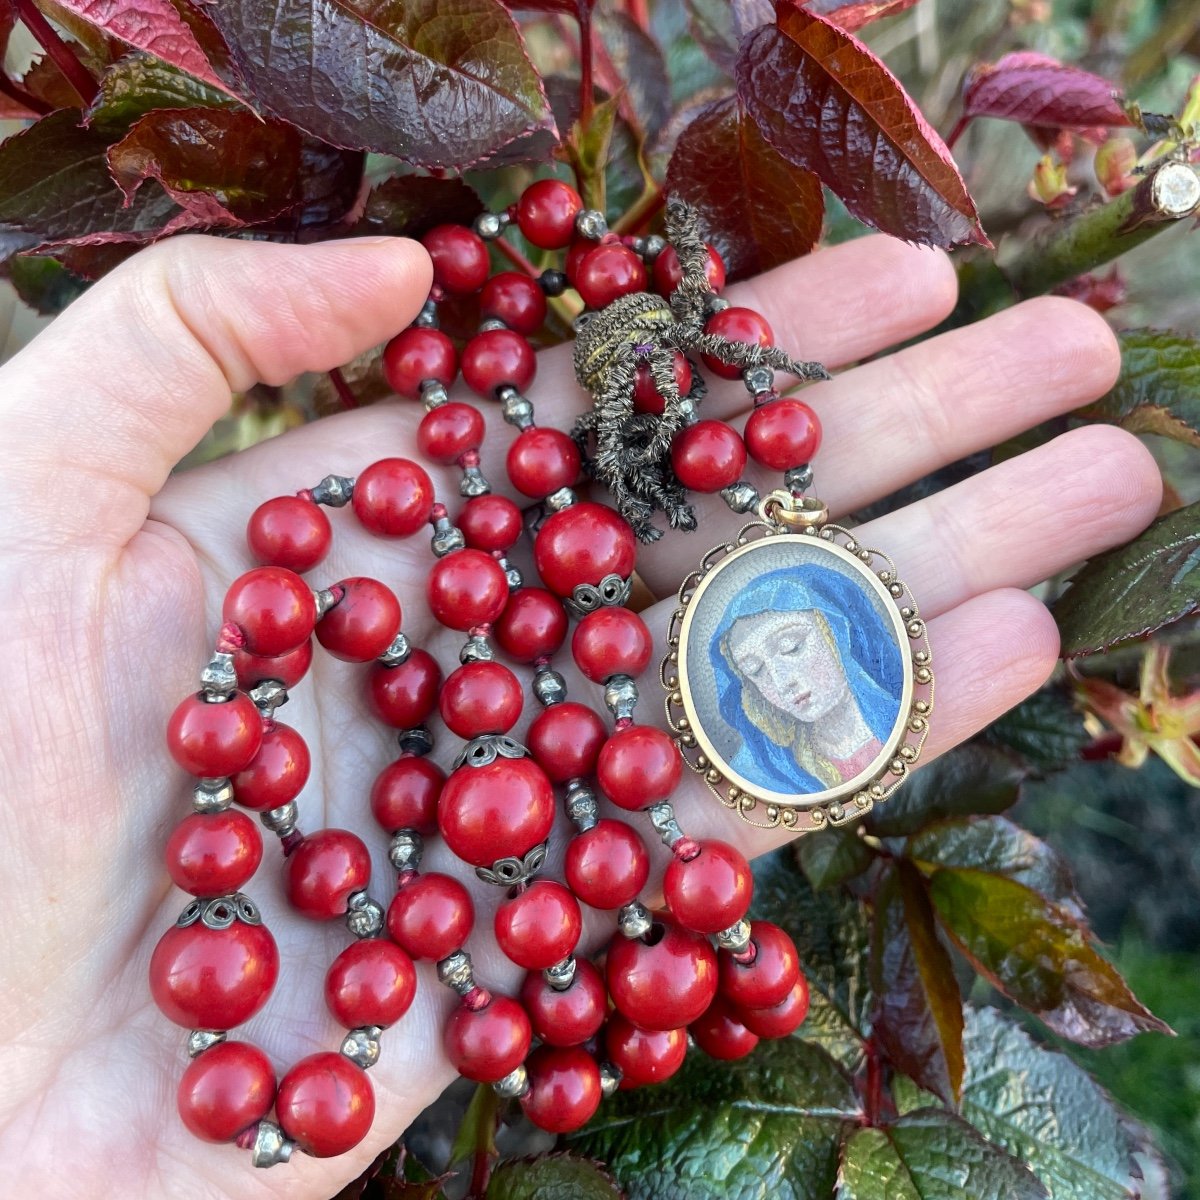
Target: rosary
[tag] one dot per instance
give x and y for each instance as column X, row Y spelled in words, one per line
column 798, row 687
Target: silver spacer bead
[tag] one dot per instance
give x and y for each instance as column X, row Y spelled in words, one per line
column 325, row 600
column 662, row 817
column 580, row 804
column 561, row 975
column 281, row 820
column 490, row 324
column 610, row 1078
column 447, row 537
column 513, row 1086
column 334, row 491
column 361, row 1045
column 268, row 696
column 758, row 379
column 396, row 653
column 473, row 483
column 634, row 920
column 427, row 318
column 653, row 246
column 612, row 590
column 486, row 748
column 433, row 394
column 476, row 649
column 798, row 479
column 455, row 972
column 742, row 497
column 417, row 740
column 715, row 304
column 212, row 795
column 512, row 575
column 736, row 938
column 621, row 696
column 200, row 1040
column 218, row 680
column 490, row 225
column 590, row 224
column 364, row 916
column 516, row 409
column 270, row 1146
column 505, row 872
column 557, row 501
column 689, row 414
column 405, row 849
column 549, row 687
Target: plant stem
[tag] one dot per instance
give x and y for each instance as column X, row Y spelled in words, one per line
column 22, row 97
column 345, row 394
column 642, row 211
column 63, row 57
column 515, row 257
column 587, row 99
column 639, row 13
column 1067, row 249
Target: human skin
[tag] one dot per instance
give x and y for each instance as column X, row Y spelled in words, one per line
column 114, row 571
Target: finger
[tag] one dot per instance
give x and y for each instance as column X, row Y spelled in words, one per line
column 98, row 408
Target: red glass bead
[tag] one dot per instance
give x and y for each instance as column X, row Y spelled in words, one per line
column 466, row 588
column 486, row 1044
column 710, row 892
column 611, row 641
column 372, row 982
column 324, row 870
column 540, row 926
column 214, row 738
column 769, row 978
column 564, row 1088
column 405, row 795
column 363, row 623
column 325, row 1104
column 288, row 668
column 664, row 982
column 479, row 698
column 226, row 1090
column 204, row 978
column 736, row 325
column 566, row 739
column 607, row 865
column 780, row 1019
column 460, row 258
column 668, row 274
column 580, row 249
column 490, row 523
column 431, row 916
column 608, row 272
column 546, row 213
column 289, row 532
column 583, row 544
column 515, row 299
column 447, row 432
column 277, row 773
column 415, row 355
column 568, row 1017
column 497, row 357
column 541, row 461
column 532, row 625
column 719, row 1032
column 274, row 608
column 643, row 1056
column 638, row 766
column 393, row 497
column 782, row 434
column 501, row 810
column 404, row 696
column 646, row 397
column 708, row 456
column 213, row 854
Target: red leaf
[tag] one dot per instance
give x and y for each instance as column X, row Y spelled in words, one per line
column 827, row 104
column 857, row 13
column 718, row 26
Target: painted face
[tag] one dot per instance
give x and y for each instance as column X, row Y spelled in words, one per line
column 790, row 659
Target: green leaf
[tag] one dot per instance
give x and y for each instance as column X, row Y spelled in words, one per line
column 1134, row 590
column 587, row 151
column 767, row 1125
column 44, row 284
column 1046, row 730
column 411, row 205
column 477, row 1132
column 931, row 1155
column 831, row 856
column 552, row 1177
column 140, row 83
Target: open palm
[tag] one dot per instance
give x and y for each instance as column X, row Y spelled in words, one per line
column 114, row 575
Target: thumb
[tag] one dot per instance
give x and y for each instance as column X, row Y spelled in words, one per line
column 97, row 410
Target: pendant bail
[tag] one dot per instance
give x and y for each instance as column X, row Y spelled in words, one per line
column 786, row 511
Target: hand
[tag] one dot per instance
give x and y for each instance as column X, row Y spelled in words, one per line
column 114, row 573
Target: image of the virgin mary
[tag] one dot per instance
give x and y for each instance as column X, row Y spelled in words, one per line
column 779, row 751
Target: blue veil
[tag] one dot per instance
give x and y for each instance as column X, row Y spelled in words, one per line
column 868, row 651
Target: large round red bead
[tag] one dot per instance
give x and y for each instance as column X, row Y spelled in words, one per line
column 607, row 865
column 668, row 271
column 415, row 355
column 393, row 497
column 564, row 1088
column 460, row 258
column 570, row 1016
column 711, row 891
column 643, row 1056
column 466, row 588
column 372, row 982
column 515, row 299
column 226, row 1090
column 405, row 795
column 214, row 738
column 287, row 669
column 638, row 766
column 541, row 461
column 708, row 456
column 363, row 623
column 540, row 926
column 546, row 213
column 290, row 532
column 720, row 1033
column 664, row 982
column 404, row 696
column 769, row 978
column 277, row 774
column 324, row 870
column 485, row 1044
column 783, row 434
column 490, row 523
column 736, row 325
column 274, row 609
column 480, row 697
column 501, row 810
column 497, row 357
column 584, row 543
column 609, row 271
column 611, row 641
column 447, row 432
column 213, row 854
column 566, row 739
column 780, row 1019
column 532, row 625
column 431, row 916
column 646, row 396
column 325, row 1104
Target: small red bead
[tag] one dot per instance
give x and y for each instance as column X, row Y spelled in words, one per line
column 643, row 1056
column 490, row 523
column 273, row 607
column 486, row 1044
column 325, row 1104
column 609, row 272
column 405, row 795
column 566, row 739
column 710, row 892
column 540, row 926
column 780, row 1019
column 769, row 978
column 542, row 461
column 393, row 497
column 639, row 766
column 708, row 456
column 568, row 1017
column 668, row 273
column 646, row 397
column 580, row 249
column 431, row 916
column 277, row 773
column 213, row 854
column 447, row 432
column 372, row 982
column 497, row 357
column 404, row 696
column 226, row 1090
column 204, row 978
column 583, row 544
column 664, row 982
column 415, row 355
column 479, row 698
column 363, row 623
column 564, row 1088
column 546, row 213
column 533, row 625
column 607, row 865
column 719, row 1032
column 324, row 870
column 783, row 434
column 460, row 258
column 214, row 738
column 287, row 669
column 611, row 641
column 466, row 588
column 289, row 532
column 736, row 325
column 515, row 299
column 501, row 810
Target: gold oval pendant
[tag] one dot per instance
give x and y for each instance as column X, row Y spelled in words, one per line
column 799, row 676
